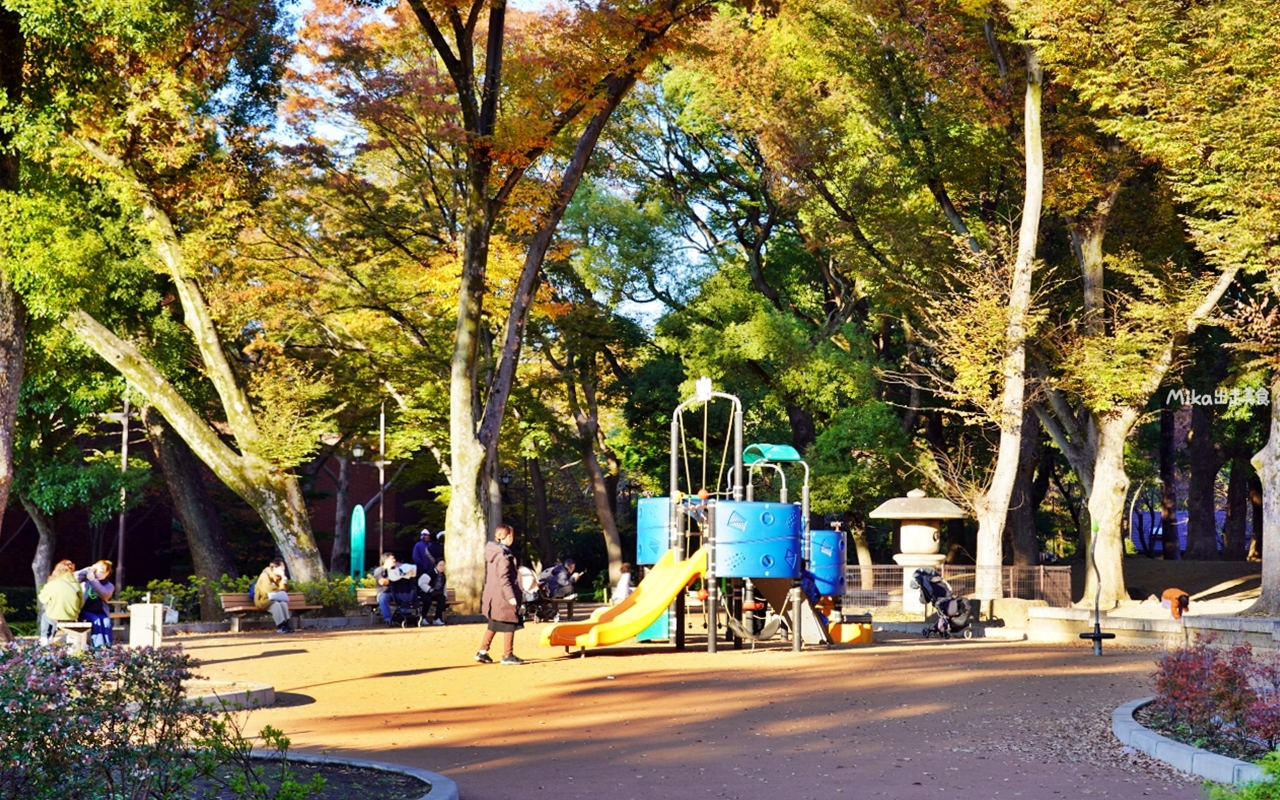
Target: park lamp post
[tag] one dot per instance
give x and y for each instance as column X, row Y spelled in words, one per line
column 357, row 451
column 123, row 419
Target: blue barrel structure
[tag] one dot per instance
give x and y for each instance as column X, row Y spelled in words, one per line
column 653, row 529
column 826, row 561
column 757, row 540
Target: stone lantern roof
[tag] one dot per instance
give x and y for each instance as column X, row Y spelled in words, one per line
column 916, row 506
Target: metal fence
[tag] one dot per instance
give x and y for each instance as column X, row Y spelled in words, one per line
column 880, row 585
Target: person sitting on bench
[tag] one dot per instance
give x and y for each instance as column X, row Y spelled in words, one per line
column 270, row 593
column 559, row 579
column 432, row 586
column 60, row 600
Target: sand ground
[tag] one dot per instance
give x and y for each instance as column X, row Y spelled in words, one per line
column 903, row 718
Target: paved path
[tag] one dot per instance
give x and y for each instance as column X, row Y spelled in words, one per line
column 904, row 718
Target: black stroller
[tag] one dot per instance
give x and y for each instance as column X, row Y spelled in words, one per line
column 953, row 611
column 406, row 603
column 537, row 602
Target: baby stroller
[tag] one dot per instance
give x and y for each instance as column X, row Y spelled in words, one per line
column 538, row 604
column 406, row 605
column 953, row 612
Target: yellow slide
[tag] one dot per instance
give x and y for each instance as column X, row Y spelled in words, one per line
column 650, row 598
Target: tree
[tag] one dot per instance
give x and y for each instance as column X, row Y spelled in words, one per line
column 12, row 312
column 1186, row 85
column 896, row 95
column 165, row 155
column 529, row 98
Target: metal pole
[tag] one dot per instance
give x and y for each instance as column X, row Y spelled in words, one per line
column 712, row 609
column 382, row 471
column 737, row 450
column 124, row 467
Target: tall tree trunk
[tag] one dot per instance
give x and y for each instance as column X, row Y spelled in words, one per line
column 42, row 562
column 1104, row 573
column 1202, row 524
column 1267, row 464
column 1233, row 532
column 210, row 555
column 13, row 317
column 13, row 327
column 1020, row 525
column 1169, row 539
column 862, row 548
column 546, row 547
column 1255, row 500
column 803, row 430
column 993, row 505
column 271, row 492
column 340, row 555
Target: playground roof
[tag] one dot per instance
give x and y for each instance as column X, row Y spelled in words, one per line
column 769, row 452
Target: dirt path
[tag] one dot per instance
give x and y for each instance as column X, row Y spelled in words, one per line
column 901, row 719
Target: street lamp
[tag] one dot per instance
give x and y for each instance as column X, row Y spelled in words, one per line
column 357, row 451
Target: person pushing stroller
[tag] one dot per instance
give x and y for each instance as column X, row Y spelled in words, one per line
column 558, row 580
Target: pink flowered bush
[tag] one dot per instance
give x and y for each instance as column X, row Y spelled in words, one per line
column 1220, row 692
column 115, row 723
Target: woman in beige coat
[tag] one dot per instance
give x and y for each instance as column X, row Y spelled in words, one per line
column 499, row 601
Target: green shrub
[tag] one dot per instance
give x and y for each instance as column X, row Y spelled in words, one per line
column 185, row 596
column 1266, row 789
column 21, row 603
column 337, row 594
column 115, row 723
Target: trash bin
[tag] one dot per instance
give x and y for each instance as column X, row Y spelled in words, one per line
column 146, row 624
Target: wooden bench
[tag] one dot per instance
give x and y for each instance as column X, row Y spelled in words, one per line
column 367, row 598
column 236, row 605
column 77, row 634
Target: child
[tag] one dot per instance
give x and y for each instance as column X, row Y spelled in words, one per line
column 1176, row 601
column 623, row 588
column 432, row 587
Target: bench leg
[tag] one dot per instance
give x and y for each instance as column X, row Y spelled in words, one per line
column 235, row 623
column 570, row 609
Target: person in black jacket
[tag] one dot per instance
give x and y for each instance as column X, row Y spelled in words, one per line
column 432, row 587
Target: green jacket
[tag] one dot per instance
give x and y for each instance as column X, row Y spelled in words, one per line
column 62, row 599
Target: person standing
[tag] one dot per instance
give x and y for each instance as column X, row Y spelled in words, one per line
column 98, row 589
column 271, row 593
column 623, row 589
column 499, row 601
column 423, row 558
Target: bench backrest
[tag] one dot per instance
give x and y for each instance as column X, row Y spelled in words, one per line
column 238, row 599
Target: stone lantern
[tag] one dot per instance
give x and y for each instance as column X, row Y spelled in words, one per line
column 920, row 518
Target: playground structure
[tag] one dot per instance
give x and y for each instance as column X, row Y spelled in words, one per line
column 777, row 571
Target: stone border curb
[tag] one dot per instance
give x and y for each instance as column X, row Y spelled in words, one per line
column 979, row 631
column 258, row 695
column 1193, row 760
column 442, row 788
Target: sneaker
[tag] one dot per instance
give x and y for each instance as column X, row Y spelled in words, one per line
column 573, row 596
column 284, row 629
column 483, row 657
column 512, row 660
column 437, row 622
